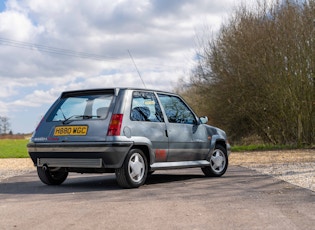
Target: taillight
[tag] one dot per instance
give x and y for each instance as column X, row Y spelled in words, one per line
column 115, row 125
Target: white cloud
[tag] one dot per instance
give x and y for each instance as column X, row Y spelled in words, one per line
column 160, row 35
column 36, row 98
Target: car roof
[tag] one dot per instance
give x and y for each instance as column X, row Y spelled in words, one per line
column 116, row 90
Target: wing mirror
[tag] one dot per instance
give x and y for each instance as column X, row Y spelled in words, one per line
column 203, row 119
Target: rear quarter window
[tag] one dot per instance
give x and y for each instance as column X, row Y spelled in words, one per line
column 145, row 107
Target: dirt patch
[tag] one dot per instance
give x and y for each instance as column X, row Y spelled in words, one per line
column 272, row 157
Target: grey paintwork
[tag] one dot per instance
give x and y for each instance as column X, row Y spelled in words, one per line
column 167, row 145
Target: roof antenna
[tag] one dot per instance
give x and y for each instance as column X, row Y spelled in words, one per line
column 137, row 69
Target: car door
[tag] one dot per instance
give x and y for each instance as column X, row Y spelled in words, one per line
column 146, row 120
column 188, row 140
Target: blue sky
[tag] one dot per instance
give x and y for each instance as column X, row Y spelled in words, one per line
column 47, row 47
column 2, row 5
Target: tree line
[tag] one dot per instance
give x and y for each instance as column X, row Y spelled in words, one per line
column 256, row 76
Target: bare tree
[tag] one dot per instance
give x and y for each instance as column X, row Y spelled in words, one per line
column 4, row 125
column 260, row 75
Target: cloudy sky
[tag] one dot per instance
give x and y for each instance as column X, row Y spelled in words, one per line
column 47, row 47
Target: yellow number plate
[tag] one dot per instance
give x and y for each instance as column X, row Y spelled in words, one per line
column 71, row 130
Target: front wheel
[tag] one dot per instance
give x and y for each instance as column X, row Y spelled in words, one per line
column 218, row 163
column 134, row 170
column 51, row 176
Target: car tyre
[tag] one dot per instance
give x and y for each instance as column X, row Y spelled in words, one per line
column 218, row 162
column 134, row 170
column 51, row 176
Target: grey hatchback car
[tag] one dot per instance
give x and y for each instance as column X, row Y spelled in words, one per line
column 126, row 131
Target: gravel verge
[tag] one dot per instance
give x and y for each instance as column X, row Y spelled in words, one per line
column 10, row 167
column 294, row 166
column 300, row 174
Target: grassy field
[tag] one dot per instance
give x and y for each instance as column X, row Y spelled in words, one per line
column 13, row 148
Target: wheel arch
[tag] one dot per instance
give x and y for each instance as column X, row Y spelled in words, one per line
column 147, row 152
column 218, row 140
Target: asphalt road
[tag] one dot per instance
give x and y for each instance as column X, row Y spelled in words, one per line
column 179, row 199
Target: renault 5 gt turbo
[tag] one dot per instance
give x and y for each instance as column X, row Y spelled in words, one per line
column 126, row 131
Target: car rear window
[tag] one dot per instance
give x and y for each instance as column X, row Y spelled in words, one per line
column 85, row 106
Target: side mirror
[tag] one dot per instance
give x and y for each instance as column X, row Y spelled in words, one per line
column 203, row 119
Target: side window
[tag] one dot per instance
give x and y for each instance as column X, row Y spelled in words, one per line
column 145, row 107
column 176, row 110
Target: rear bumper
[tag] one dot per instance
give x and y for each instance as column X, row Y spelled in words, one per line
column 84, row 155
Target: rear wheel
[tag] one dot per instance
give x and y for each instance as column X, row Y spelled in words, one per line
column 52, row 176
column 218, row 163
column 134, row 171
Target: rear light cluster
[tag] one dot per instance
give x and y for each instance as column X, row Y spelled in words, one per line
column 115, row 125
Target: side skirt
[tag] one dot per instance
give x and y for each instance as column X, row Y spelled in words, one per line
column 179, row 164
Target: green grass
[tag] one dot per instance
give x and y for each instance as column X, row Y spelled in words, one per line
column 259, row 147
column 13, row 148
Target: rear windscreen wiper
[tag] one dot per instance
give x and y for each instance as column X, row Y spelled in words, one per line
column 84, row 117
